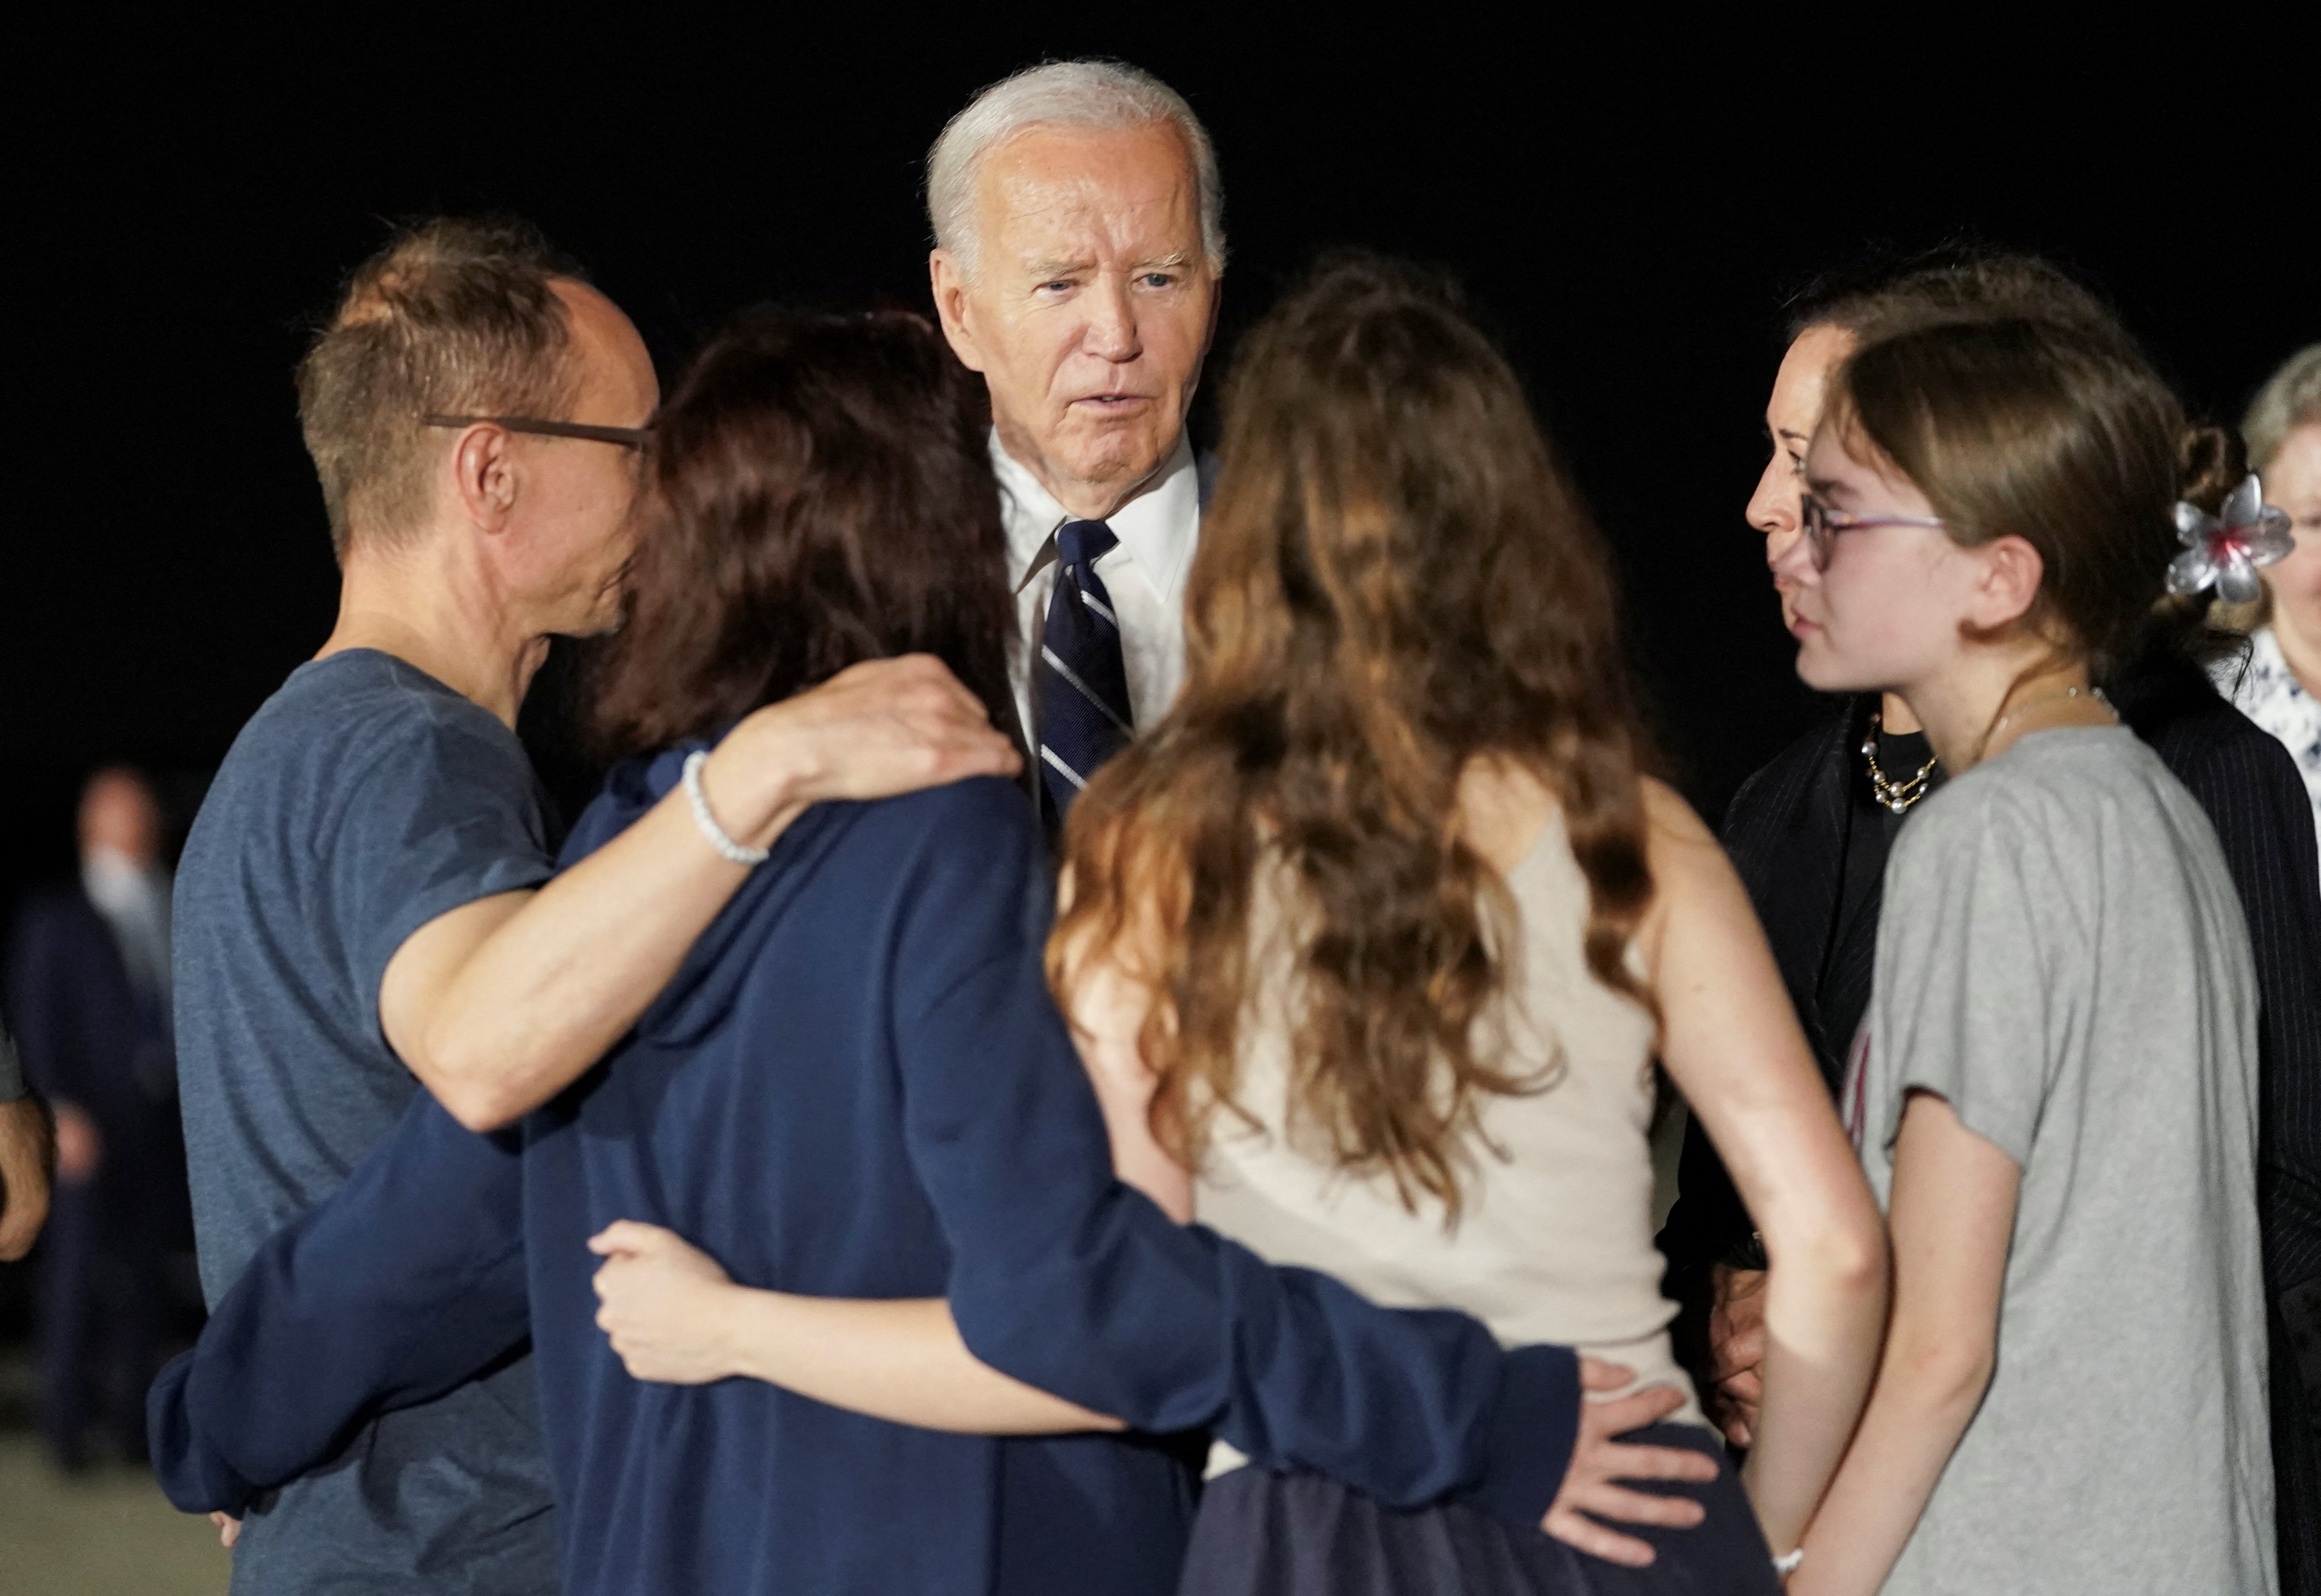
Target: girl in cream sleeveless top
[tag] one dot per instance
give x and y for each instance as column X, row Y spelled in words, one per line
column 1553, row 1243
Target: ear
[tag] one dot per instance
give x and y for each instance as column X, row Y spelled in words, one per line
column 485, row 475
column 949, row 286
column 2009, row 583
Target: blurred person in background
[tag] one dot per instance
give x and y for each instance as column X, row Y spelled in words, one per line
column 24, row 1152
column 1811, row 832
column 2280, row 685
column 88, row 988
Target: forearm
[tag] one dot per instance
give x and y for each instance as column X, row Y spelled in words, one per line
column 404, row 1283
column 528, row 1008
column 1824, row 1314
column 1175, row 1328
column 1921, row 1407
column 900, row 1361
column 1083, row 1287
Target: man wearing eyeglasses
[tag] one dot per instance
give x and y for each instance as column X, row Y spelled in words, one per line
column 365, row 905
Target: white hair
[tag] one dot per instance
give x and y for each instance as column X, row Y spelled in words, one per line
column 2290, row 398
column 1092, row 94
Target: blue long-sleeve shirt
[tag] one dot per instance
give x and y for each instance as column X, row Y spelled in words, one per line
column 857, row 1085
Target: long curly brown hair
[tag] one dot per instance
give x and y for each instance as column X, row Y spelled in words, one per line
column 1394, row 578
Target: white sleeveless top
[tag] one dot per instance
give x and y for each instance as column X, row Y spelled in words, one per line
column 1554, row 1238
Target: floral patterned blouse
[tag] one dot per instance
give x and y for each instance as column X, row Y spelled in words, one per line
column 2268, row 693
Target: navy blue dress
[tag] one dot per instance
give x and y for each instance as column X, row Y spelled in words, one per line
column 856, row 1086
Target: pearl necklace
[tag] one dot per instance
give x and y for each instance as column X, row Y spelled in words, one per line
column 1897, row 796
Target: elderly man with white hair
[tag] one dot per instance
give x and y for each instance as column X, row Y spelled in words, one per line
column 1080, row 245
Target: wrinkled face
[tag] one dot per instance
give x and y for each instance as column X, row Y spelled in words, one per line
column 1791, row 417
column 2292, row 480
column 1888, row 611
column 1091, row 303
column 570, row 536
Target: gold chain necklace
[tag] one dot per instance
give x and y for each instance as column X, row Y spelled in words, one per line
column 1897, row 796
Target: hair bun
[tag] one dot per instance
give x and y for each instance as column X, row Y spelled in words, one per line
column 2209, row 465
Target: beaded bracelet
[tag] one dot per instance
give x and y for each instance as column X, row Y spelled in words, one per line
column 740, row 853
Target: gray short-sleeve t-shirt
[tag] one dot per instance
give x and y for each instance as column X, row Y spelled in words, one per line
column 364, row 800
column 2061, row 956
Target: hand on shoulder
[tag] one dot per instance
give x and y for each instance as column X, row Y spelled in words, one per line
column 874, row 730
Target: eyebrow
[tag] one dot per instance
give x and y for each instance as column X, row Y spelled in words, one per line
column 1048, row 270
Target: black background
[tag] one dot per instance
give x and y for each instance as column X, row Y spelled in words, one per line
column 1626, row 204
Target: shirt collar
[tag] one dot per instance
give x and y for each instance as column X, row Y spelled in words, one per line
column 1157, row 527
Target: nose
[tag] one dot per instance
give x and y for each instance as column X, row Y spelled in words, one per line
column 1788, row 554
column 1111, row 333
column 1773, row 510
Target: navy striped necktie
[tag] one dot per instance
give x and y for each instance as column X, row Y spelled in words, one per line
column 1083, row 684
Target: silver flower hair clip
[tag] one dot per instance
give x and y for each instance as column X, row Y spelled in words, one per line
column 2223, row 550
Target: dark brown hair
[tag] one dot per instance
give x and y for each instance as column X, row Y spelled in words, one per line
column 820, row 494
column 456, row 317
column 1957, row 280
column 1393, row 578
column 2060, row 434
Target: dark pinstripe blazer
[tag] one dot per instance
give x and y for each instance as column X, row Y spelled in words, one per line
column 1789, row 829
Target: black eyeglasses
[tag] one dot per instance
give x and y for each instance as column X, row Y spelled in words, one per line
column 1823, row 524
column 622, row 437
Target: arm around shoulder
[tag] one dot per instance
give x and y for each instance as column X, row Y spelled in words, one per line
column 499, row 1004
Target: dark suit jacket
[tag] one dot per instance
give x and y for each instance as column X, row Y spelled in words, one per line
column 86, row 1036
column 89, row 1038
column 1788, row 830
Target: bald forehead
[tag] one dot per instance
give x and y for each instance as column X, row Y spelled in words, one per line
column 609, row 347
column 593, row 317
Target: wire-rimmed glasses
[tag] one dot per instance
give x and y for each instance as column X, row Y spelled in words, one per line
column 1822, row 525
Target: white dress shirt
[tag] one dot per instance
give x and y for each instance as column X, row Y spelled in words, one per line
column 1144, row 573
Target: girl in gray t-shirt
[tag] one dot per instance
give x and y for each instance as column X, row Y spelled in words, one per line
column 2054, row 1094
